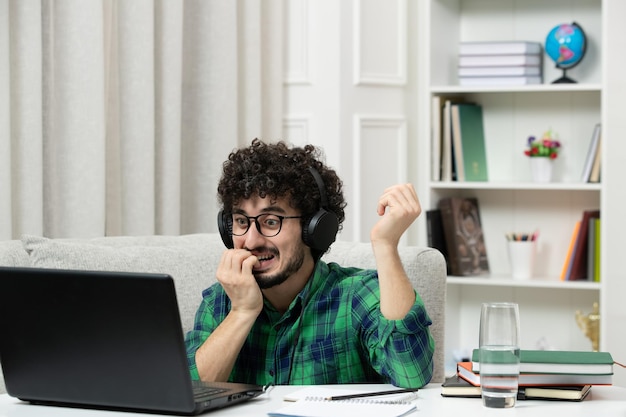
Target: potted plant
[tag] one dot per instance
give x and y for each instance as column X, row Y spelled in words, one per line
column 542, row 152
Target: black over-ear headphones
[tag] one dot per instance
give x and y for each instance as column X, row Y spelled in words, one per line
column 318, row 232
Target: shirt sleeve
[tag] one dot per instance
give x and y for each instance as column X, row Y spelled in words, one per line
column 207, row 318
column 399, row 350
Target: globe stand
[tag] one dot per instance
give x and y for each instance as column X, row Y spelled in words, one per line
column 564, row 79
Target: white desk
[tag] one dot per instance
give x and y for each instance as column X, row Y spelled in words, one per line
column 602, row 401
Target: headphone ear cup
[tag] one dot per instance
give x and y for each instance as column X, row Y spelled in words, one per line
column 225, row 227
column 320, row 231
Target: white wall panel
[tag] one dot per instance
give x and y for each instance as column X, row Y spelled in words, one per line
column 296, row 129
column 379, row 145
column 380, row 40
column 297, row 42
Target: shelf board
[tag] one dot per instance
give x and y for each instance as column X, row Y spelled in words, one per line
column 534, row 186
column 539, row 88
column 507, row 281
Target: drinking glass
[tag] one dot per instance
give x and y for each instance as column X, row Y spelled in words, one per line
column 499, row 354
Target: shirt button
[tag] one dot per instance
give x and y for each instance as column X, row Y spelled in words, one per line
column 271, row 373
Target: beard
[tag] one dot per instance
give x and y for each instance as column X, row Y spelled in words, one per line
column 266, row 281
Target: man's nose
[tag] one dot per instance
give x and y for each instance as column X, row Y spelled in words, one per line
column 254, row 235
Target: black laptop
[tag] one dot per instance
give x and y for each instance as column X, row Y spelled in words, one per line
column 105, row 340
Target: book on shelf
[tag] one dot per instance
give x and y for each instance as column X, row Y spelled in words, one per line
column 591, row 250
column 436, row 108
column 490, row 81
column 435, row 235
column 315, row 402
column 508, row 71
column 448, row 168
column 464, row 369
column 500, row 48
column 580, row 255
column 499, row 60
column 465, row 243
column 565, row 271
column 446, row 142
column 559, row 361
column 591, row 153
column 457, row 146
column 594, row 176
column 469, row 142
column 455, row 386
column 596, row 271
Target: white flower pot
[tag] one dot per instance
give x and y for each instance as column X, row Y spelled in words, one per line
column 541, row 168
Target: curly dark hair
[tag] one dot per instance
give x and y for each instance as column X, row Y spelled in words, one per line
column 277, row 170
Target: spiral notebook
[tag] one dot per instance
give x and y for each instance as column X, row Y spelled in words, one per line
column 313, row 402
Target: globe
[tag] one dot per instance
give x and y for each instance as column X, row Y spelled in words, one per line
column 566, row 45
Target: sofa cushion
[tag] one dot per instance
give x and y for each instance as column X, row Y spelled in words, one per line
column 12, row 253
column 191, row 260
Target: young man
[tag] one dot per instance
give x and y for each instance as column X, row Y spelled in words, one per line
column 279, row 314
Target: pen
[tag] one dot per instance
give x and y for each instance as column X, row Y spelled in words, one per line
column 371, row 394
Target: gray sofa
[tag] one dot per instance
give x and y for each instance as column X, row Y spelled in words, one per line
column 192, row 259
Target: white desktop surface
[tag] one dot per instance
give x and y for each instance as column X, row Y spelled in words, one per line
column 605, row 401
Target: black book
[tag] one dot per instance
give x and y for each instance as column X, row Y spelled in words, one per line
column 554, row 393
column 435, row 235
column 455, row 386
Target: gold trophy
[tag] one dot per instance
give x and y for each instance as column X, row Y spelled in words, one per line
column 590, row 325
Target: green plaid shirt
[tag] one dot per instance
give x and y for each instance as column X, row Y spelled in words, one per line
column 332, row 333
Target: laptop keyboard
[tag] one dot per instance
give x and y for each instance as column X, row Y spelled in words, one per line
column 201, row 392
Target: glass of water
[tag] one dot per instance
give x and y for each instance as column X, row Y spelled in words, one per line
column 499, row 354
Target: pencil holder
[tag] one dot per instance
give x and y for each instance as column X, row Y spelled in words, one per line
column 522, row 258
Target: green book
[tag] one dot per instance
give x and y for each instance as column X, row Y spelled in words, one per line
column 559, row 362
column 472, row 140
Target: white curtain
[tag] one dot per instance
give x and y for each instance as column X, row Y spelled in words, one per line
column 116, row 115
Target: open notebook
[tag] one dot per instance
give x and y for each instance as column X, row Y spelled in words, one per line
column 313, row 402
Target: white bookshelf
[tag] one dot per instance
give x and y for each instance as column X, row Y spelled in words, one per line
column 510, row 201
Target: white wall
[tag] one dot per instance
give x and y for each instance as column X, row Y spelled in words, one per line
column 348, row 89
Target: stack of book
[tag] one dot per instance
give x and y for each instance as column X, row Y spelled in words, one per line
column 544, row 374
column 500, row 63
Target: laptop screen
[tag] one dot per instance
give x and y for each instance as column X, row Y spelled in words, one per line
column 104, row 339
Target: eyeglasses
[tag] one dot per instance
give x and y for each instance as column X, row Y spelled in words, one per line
column 268, row 225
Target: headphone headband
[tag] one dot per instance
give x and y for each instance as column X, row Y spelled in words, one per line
column 320, row 185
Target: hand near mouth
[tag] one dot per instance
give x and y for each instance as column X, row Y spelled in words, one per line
column 234, row 273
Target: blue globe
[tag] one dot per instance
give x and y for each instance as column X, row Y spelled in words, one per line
column 566, row 44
